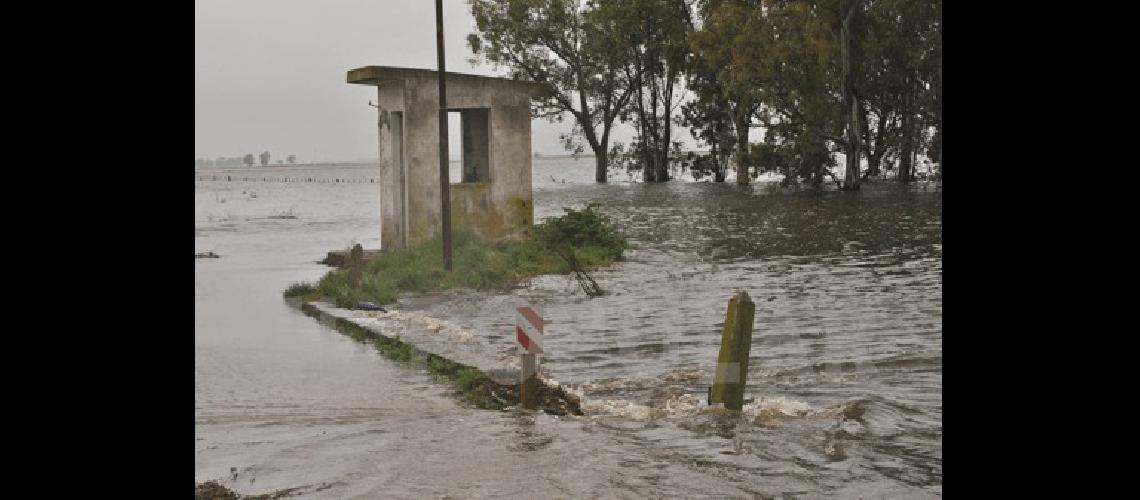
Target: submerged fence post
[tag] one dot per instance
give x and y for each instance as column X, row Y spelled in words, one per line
column 355, row 264
column 528, row 332
column 735, row 344
column 528, row 382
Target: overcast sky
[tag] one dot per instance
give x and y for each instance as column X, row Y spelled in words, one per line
column 269, row 74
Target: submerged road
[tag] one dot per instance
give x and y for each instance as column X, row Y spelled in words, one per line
column 847, row 352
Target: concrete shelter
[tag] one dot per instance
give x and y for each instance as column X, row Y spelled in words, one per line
column 494, row 197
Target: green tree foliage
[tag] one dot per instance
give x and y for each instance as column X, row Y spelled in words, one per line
column 652, row 38
column 903, row 82
column 710, row 121
column 803, row 110
column 818, row 77
column 859, row 77
column 567, row 44
column 727, row 76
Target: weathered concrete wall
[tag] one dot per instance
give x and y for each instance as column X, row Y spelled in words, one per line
column 422, row 148
column 511, row 202
column 390, row 102
column 501, row 156
column 471, row 208
column 510, row 162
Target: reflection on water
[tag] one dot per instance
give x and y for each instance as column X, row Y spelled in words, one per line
column 846, row 363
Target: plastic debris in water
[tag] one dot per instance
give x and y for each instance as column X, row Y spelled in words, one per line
column 368, row 306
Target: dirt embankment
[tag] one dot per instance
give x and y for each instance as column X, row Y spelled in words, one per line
column 211, row 490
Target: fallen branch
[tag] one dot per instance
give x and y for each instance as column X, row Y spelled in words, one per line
column 584, row 280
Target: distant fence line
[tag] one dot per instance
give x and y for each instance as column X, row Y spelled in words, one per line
column 296, row 165
column 247, row 178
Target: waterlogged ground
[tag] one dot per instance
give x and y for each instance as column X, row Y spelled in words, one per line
column 846, row 366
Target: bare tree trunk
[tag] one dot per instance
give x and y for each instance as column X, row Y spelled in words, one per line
column 602, row 162
column 938, row 115
column 905, row 156
column 873, row 161
column 648, row 170
column 851, row 175
column 742, row 174
column 875, row 157
column 718, row 170
column 815, row 160
column 741, row 119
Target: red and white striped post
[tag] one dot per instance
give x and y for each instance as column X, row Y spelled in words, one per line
column 528, row 332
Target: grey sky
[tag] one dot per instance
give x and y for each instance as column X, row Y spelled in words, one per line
column 269, row 74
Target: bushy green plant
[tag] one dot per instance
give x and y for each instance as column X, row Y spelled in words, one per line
column 583, row 230
column 300, row 289
column 577, row 238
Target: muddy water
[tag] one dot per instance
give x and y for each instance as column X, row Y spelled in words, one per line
column 845, row 385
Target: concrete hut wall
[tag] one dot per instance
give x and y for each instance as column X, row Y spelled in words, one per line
column 500, row 207
column 390, row 102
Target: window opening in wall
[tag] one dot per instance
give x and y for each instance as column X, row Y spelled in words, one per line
column 475, row 145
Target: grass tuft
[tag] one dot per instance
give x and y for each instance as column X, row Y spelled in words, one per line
column 583, row 236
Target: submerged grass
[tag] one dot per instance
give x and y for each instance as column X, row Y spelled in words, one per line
column 469, row 384
column 305, row 291
column 576, row 241
column 582, row 238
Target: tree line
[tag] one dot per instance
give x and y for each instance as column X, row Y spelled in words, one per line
column 817, row 77
column 246, row 160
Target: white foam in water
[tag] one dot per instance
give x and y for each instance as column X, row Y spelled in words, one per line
column 780, row 404
column 685, row 375
column 685, row 404
column 611, row 407
column 682, row 405
column 621, row 408
column 411, row 319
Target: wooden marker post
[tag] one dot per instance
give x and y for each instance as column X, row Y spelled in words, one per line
column 735, row 344
column 355, row 264
column 528, row 332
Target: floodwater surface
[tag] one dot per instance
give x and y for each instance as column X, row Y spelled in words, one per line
column 844, row 390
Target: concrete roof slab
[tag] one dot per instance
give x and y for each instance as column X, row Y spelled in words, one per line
column 374, row 75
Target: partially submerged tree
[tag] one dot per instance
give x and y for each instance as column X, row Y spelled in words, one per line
column 566, row 44
column 730, row 68
column 710, row 121
column 653, row 37
column 849, row 58
column 907, row 47
column 859, row 77
column 803, row 111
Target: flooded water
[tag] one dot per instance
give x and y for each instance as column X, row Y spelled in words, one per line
column 845, row 382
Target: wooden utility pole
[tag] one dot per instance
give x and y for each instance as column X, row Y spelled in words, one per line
column 444, row 181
